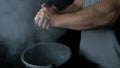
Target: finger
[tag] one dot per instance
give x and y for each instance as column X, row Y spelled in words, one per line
column 40, row 21
column 40, row 14
column 43, row 5
column 44, row 24
column 54, row 7
column 47, row 26
column 36, row 19
column 43, row 9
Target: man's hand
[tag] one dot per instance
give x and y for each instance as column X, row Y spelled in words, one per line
column 44, row 18
column 98, row 15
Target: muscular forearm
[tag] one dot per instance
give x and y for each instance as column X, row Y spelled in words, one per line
column 98, row 15
column 85, row 23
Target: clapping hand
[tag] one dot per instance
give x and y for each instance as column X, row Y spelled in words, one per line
column 45, row 16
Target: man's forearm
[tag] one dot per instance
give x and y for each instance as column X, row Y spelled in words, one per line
column 77, row 23
column 88, row 18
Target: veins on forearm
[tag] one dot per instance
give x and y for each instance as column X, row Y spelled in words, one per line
column 88, row 17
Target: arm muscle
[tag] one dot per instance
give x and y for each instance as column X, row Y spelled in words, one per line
column 97, row 15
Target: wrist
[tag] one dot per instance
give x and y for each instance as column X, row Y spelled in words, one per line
column 54, row 20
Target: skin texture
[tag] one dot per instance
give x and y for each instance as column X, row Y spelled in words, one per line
column 99, row 15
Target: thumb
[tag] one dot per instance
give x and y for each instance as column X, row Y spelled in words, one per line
column 43, row 5
column 54, row 7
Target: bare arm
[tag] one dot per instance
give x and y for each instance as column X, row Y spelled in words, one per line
column 47, row 13
column 95, row 16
